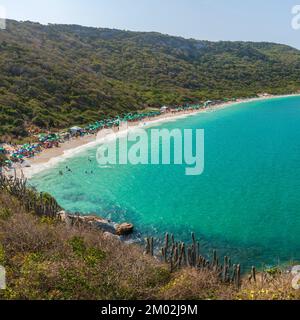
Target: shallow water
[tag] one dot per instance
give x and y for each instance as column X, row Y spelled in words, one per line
column 246, row 204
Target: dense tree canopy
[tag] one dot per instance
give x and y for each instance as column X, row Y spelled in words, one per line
column 58, row 75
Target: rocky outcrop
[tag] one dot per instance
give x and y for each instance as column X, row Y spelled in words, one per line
column 107, row 226
column 124, row 229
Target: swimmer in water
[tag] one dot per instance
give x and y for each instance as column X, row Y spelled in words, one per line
column 61, row 173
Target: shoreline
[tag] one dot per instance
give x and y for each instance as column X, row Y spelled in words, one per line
column 49, row 157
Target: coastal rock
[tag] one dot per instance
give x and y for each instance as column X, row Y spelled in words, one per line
column 99, row 223
column 91, row 219
column 105, row 225
column 124, row 229
column 110, row 229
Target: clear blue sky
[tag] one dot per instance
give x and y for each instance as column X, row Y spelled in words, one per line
column 255, row 20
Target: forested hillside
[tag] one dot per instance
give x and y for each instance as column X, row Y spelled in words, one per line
column 60, row 75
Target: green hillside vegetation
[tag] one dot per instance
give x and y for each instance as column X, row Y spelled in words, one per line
column 56, row 76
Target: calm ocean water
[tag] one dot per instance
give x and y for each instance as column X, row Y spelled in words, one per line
column 246, row 204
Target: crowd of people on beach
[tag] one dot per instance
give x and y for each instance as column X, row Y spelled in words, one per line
column 20, row 154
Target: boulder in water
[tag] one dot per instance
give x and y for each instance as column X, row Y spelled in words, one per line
column 124, row 229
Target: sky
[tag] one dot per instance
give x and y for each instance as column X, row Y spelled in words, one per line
column 248, row 20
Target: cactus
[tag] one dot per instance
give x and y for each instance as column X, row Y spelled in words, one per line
column 172, row 238
column 194, row 249
column 30, row 198
column 181, row 255
column 184, row 255
column 225, row 269
column 152, row 246
column 229, row 262
column 172, row 258
column 233, row 273
column 214, row 262
column 189, row 252
column 166, row 247
column 148, row 245
column 253, row 274
column 176, row 253
column 238, row 277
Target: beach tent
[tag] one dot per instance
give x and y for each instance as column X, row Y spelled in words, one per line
column 207, row 103
column 52, row 137
column 163, row 109
column 42, row 137
column 75, row 130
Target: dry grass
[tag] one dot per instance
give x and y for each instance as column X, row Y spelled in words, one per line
column 192, row 284
column 275, row 284
column 45, row 259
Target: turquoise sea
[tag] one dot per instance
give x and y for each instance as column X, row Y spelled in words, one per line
column 246, row 204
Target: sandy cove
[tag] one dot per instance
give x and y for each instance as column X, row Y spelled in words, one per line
column 48, row 157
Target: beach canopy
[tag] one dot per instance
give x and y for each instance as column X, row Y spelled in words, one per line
column 28, row 150
column 75, row 129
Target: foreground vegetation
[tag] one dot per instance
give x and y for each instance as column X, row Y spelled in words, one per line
column 48, row 259
column 56, row 76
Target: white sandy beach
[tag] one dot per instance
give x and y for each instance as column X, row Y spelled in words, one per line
column 49, row 157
